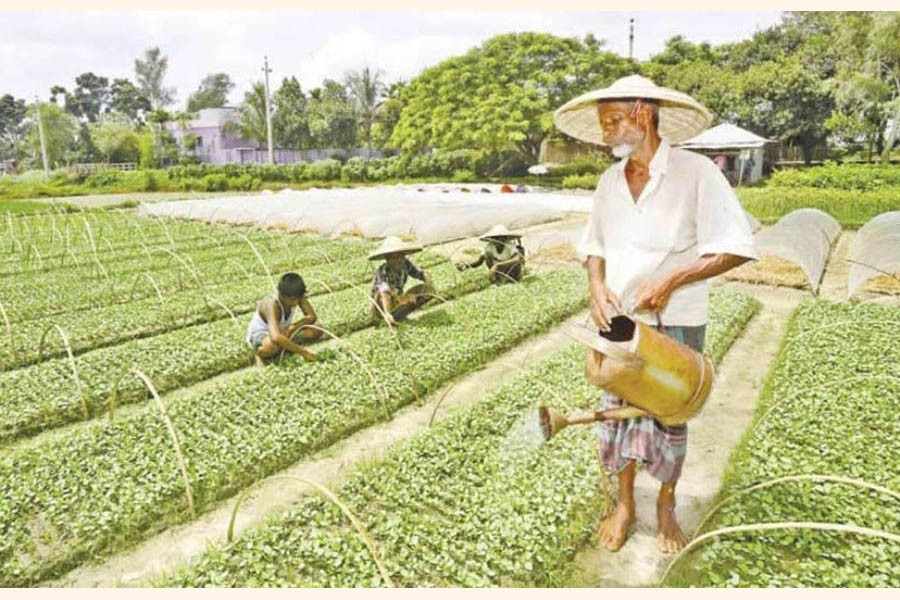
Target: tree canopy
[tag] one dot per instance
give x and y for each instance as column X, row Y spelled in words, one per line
column 500, row 96
column 212, row 93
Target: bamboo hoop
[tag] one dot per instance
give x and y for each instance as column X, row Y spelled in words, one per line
column 9, row 332
column 40, row 258
column 165, row 228
column 330, row 496
column 813, row 477
column 78, row 387
column 240, row 267
column 438, row 403
column 174, row 435
column 189, row 268
column 836, row 527
column 375, row 383
column 258, row 256
column 219, row 303
column 152, row 282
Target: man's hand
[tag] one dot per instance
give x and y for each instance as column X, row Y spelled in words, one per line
column 461, row 266
column 601, row 298
column 653, row 294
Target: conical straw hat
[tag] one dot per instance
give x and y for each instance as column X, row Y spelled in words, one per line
column 393, row 245
column 680, row 116
column 499, row 232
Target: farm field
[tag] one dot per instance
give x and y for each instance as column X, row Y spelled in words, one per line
column 100, row 306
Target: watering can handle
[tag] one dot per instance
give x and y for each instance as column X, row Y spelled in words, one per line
column 589, row 338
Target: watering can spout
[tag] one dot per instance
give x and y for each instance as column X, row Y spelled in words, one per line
column 551, row 422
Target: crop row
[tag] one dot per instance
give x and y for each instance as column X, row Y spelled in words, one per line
column 33, row 265
column 474, row 502
column 107, row 485
column 845, row 177
column 829, row 410
column 33, row 341
column 55, row 235
column 162, row 272
column 47, row 395
column 852, row 209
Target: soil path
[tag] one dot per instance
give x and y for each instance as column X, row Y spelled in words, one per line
column 834, row 281
column 330, row 467
column 713, row 435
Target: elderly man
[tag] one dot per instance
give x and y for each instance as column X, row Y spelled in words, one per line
column 663, row 221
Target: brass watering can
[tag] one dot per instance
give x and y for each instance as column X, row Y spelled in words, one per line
column 657, row 375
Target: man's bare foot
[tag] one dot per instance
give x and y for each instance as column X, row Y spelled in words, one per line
column 616, row 528
column 670, row 538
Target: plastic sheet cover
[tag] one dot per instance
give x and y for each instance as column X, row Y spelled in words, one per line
column 875, row 251
column 803, row 237
column 432, row 215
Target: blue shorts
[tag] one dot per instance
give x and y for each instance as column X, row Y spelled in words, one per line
column 256, row 339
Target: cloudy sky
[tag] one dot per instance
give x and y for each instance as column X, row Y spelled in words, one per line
column 42, row 49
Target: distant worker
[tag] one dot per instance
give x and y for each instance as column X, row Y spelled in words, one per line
column 271, row 331
column 390, row 303
column 503, row 254
column 506, row 189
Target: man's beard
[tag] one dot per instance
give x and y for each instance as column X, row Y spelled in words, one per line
column 623, row 150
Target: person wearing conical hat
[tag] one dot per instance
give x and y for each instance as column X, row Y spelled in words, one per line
column 503, row 254
column 663, row 221
column 389, row 301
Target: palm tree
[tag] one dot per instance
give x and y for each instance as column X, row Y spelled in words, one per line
column 367, row 92
column 251, row 121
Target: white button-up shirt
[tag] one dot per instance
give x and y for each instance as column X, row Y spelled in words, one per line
column 686, row 210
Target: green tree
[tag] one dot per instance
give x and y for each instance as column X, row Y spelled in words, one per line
column 60, row 134
column 12, row 117
column 388, row 114
column 90, row 97
column 332, row 120
column 150, row 74
column 251, row 120
column 290, row 121
column 366, row 92
column 147, row 148
column 867, row 83
column 713, row 86
column 165, row 146
column 127, row 99
column 212, row 93
column 115, row 138
column 500, row 96
column 785, row 100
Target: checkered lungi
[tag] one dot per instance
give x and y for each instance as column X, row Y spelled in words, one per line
column 644, row 439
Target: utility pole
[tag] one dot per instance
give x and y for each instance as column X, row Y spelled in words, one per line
column 37, row 108
column 630, row 38
column 267, row 70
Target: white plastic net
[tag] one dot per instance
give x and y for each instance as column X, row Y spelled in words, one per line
column 803, row 237
column 431, row 215
column 875, row 251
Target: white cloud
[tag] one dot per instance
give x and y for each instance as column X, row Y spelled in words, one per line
column 38, row 50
